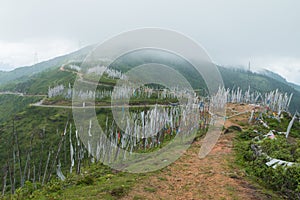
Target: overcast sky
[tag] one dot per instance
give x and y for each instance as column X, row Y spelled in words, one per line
column 267, row 32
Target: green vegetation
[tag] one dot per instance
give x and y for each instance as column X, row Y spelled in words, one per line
column 12, row 104
column 39, row 83
column 96, row 182
column 280, row 78
column 44, row 128
column 234, row 78
column 284, row 180
column 36, row 131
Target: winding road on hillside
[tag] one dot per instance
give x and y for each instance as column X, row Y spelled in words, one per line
column 22, row 94
column 40, row 104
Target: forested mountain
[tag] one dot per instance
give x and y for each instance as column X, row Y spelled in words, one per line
column 35, row 140
column 234, row 78
column 38, row 78
column 279, row 78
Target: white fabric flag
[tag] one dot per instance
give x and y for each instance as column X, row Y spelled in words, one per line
column 251, row 117
column 59, row 172
column 290, row 126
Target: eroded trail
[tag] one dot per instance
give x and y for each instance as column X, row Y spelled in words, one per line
column 213, row 177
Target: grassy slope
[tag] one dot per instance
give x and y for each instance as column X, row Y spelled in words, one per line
column 39, row 83
column 33, row 120
column 100, row 182
column 25, row 73
column 97, row 182
column 280, row 180
column 13, row 104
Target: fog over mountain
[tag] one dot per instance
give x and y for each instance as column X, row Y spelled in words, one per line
column 233, row 32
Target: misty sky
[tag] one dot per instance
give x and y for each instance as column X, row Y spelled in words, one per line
column 267, row 32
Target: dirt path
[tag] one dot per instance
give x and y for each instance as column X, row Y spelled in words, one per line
column 192, row 178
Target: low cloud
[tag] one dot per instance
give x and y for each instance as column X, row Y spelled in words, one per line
column 27, row 52
column 287, row 67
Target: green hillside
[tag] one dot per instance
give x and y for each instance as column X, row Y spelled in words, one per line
column 13, row 104
column 233, row 78
column 39, row 83
column 25, row 73
column 280, row 78
column 34, row 135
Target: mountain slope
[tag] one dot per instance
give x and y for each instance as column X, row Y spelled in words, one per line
column 24, row 73
column 46, row 126
column 38, row 83
column 234, row 78
column 280, row 78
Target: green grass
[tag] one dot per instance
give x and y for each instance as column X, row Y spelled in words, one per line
column 271, row 181
column 10, row 105
column 96, row 182
column 45, row 126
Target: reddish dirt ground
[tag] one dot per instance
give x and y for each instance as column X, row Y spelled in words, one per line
column 214, row 177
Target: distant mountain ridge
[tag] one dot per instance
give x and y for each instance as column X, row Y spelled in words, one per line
column 27, row 71
column 279, row 78
column 37, row 78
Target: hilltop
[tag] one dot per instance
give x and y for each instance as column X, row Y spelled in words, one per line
column 41, row 151
column 38, row 78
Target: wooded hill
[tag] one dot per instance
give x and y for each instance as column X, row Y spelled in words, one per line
column 38, row 78
column 23, row 125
